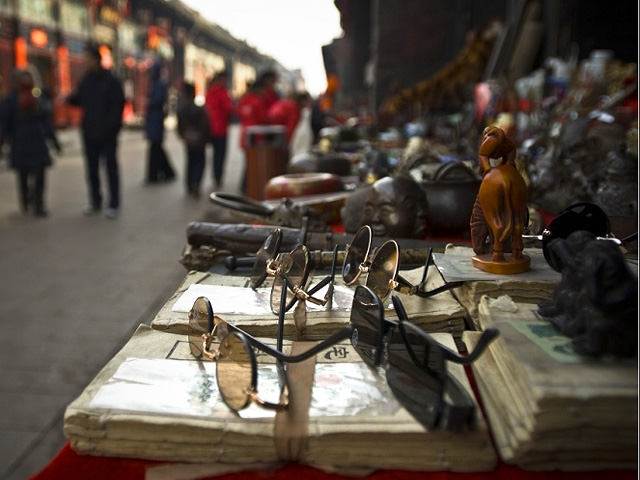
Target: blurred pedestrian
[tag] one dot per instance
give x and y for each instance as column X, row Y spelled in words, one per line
column 287, row 111
column 251, row 112
column 219, row 109
column 101, row 97
column 302, row 138
column 322, row 107
column 26, row 124
column 193, row 128
column 158, row 166
column 268, row 81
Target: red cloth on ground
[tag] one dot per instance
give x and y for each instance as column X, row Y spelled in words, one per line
column 251, row 112
column 68, row 465
column 285, row 112
column 219, row 107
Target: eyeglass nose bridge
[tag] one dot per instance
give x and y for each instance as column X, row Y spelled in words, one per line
column 255, row 398
column 207, row 338
column 272, row 267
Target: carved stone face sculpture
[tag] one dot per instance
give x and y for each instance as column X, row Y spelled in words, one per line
column 396, row 207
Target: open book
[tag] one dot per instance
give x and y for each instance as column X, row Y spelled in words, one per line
column 154, row 400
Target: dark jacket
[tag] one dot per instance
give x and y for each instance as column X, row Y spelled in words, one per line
column 193, row 123
column 155, row 106
column 27, row 130
column 101, row 97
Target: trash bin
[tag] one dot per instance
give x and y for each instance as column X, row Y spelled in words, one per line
column 266, row 157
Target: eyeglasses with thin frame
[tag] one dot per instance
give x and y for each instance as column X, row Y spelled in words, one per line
column 415, row 363
column 382, row 267
column 236, row 369
column 263, row 265
column 295, row 267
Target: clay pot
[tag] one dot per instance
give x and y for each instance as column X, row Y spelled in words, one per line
column 302, row 184
column 451, row 195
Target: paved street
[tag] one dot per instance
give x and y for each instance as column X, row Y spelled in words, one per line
column 73, row 288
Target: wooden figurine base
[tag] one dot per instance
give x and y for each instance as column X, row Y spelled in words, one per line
column 509, row 266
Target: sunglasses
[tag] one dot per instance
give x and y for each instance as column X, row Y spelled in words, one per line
column 295, row 266
column 382, row 267
column 293, row 269
column 236, row 365
column 264, row 263
column 415, row 363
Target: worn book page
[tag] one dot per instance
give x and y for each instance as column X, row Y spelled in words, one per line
column 153, row 400
column 548, row 406
column 533, row 286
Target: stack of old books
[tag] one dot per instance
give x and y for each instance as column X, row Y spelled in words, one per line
column 153, row 400
column 234, row 301
column 547, row 406
column 534, row 286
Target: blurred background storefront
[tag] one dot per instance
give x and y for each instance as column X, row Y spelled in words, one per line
column 49, row 37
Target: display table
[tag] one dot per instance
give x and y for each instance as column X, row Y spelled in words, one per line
column 69, row 465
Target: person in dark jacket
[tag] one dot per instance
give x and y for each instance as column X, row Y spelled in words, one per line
column 193, row 128
column 158, row 166
column 26, row 124
column 101, row 97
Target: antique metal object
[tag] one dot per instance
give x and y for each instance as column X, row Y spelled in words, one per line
column 302, row 184
column 286, row 213
column 396, row 207
column 313, row 162
column 500, row 210
column 210, row 244
column 596, row 302
column 451, row 195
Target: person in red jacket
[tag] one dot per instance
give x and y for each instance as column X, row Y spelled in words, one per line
column 219, row 108
column 269, row 95
column 251, row 112
column 286, row 112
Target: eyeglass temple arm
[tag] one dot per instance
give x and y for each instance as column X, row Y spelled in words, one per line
column 330, row 279
column 278, row 355
column 268, row 405
column 232, row 262
column 487, row 337
column 283, row 306
column 405, row 286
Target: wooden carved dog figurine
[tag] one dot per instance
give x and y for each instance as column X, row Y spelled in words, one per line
column 500, row 210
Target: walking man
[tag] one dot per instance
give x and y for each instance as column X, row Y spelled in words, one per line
column 101, row 97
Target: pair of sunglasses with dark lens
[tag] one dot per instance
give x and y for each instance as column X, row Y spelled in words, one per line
column 236, row 365
column 295, row 267
column 414, row 363
column 382, row 266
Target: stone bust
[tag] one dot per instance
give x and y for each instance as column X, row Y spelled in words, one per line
column 396, row 207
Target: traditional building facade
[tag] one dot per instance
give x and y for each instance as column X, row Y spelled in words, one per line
column 49, row 37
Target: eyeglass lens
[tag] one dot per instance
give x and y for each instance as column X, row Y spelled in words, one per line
column 356, row 255
column 384, row 267
column 200, row 322
column 267, row 252
column 295, row 266
column 424, row 353
column 236, row 372
column 366, row 320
